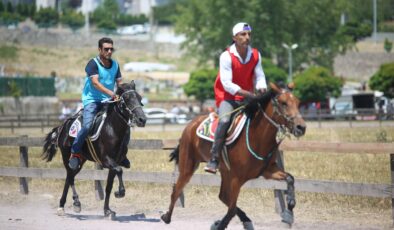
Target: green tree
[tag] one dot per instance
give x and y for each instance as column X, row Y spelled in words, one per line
column 73, row 19
column 200, row 84
column 108, row 26
column 164, row 15
column 127, row 19
column 9, row 8
column 2, row 8
column 272, row 72
column 108, row 10
column 46, row 17
column 207, row 26
column 383, row 80
column 316, row 84
column 7, row 18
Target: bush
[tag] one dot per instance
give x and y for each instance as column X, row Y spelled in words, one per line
column 272, row 72
column 356, row 30
column 388, row 45
column 316, row 84
column 201, row 84
column 383, row 80
column 46, row 17
column 126, row 19
column 107, row 25
column 73, row 19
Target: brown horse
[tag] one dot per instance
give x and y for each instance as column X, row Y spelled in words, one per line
column 251, row 156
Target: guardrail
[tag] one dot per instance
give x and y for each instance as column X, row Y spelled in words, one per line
column 305, row 185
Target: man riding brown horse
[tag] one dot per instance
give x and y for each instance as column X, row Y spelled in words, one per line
column 239, row 74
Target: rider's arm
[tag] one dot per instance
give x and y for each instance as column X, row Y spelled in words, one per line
column 261, row 83
column 118, row 77
column 96, row 83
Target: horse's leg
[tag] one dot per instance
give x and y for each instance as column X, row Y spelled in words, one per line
column 60, row 210
column 287, row 215
column 229, row 191
column 121, row 191
column 108, row 189
column 246, row 222
column 274, row 172
column 69, row 182
column 112, row 165
column 186, row 169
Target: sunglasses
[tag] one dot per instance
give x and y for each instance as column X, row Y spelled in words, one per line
column 108, row 49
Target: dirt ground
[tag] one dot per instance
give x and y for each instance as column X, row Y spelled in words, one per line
column 38, row 211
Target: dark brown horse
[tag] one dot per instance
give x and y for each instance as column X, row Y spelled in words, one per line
column 251, row 156
column 109, row 149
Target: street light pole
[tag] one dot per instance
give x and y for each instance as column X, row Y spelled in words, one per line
column 374, row 21
column 289, row 49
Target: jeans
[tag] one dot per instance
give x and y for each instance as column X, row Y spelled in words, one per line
column 89, row 111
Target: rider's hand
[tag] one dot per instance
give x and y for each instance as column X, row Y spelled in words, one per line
column 115, row 97
column 249, row 97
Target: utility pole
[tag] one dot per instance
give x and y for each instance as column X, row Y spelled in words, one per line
column 374, row 35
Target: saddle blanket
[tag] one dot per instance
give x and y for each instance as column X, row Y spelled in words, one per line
column 206, row 130
column 94, row 133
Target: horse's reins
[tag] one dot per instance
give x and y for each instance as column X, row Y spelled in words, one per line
column 281, row 128
column 130, row 111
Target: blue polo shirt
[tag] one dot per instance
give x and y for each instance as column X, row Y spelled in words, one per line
column 107, row 77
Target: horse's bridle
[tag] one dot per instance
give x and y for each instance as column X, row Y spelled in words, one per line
column 280, row 111
column 122, row 103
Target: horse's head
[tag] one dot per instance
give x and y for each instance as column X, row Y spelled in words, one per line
column 285, row 109
column 130, row 103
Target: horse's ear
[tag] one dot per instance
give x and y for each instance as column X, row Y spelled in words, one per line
column 132, row 83
column 291, row 86
column 274, row 87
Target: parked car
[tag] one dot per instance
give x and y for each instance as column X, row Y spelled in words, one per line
column 133, row 29
column 161, row 116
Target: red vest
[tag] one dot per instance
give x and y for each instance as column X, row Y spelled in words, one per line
column 243, row 75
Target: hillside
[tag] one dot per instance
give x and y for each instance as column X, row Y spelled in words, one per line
column 363, row 61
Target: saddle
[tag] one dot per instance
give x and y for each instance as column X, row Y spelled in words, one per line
column 206, row 130
column 94, row 131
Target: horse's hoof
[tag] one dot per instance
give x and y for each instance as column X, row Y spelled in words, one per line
column 60, row 212
column 77, row 206
column 215, row 225
column 166, row 218
column 120, row 194
column 110, row 214
column 287, row 217
column 248, row 225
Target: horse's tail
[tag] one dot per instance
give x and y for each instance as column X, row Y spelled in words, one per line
column 174, row 155
column 50, row 144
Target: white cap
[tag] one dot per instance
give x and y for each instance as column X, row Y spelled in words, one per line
column 241, row 26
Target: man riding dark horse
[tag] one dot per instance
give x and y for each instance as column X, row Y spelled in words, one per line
column 101, row 74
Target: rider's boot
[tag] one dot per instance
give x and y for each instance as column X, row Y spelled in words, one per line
column 217, row 146
column 75, row 161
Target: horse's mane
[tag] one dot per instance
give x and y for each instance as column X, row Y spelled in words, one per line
column 124, row 87
column 261, row 101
